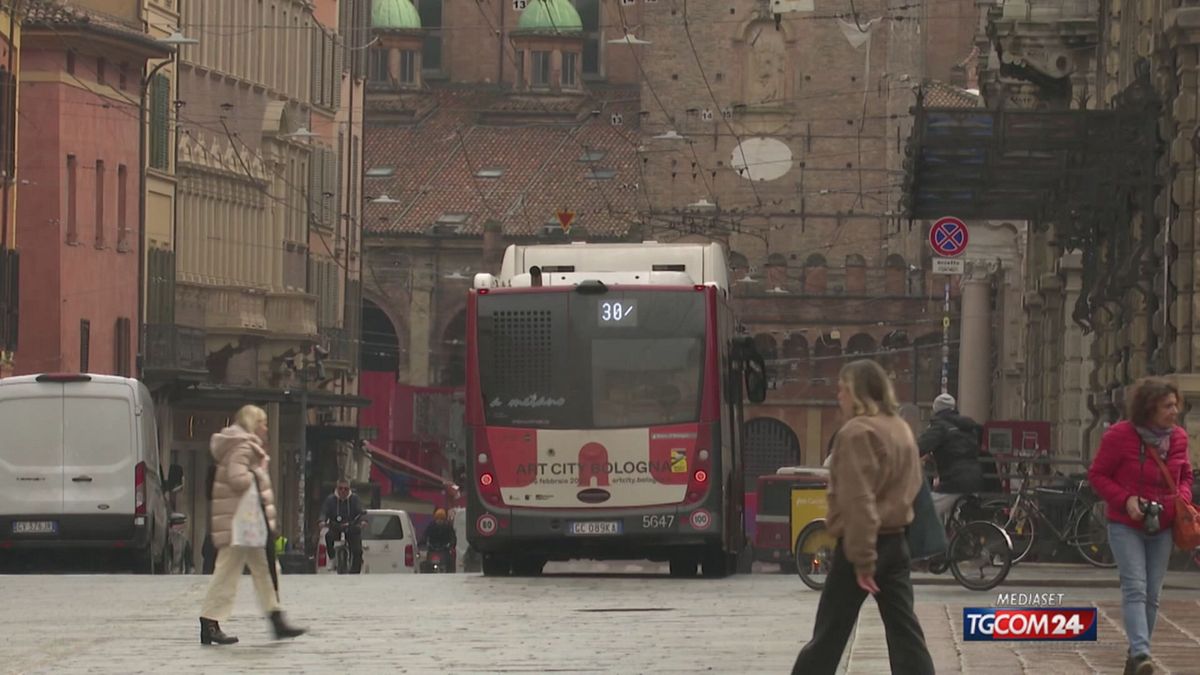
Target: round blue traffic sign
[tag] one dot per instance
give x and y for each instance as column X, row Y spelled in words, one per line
column 948, row 237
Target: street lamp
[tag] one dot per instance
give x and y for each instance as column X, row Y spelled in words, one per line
column 173, row 41
column 307, row 367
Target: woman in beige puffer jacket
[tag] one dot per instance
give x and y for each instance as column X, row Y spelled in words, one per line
column 242, row 462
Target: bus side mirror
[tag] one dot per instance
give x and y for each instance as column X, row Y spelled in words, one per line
column 174, row 478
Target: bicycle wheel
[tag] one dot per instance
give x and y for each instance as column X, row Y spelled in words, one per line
column 980, row 555
column 1018, row 525
column 814, row 554
column 1089, row 535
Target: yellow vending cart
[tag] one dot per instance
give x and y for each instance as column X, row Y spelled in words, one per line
column 808, row 509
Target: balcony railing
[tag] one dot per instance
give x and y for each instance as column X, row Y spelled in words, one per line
column 337, row 342
column 175, row 348
column 240, row 310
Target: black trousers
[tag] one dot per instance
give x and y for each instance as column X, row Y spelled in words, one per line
column 354, row 539
column 841, row 601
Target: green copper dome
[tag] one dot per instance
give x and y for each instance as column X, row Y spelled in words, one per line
column 395, row 15
column 550, row 16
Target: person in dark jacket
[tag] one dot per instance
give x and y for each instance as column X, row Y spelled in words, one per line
column 953, row 442
column 440, row 533
column 343, row 511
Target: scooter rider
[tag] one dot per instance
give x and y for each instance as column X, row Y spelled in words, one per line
column 344, row 511
column 440, row 533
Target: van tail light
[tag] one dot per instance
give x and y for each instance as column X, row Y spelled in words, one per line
column 408, row 556
column 139, row 489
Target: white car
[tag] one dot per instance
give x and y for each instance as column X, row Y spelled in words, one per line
column 389, row 544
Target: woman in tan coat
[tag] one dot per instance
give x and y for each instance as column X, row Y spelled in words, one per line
column 874, row 476
column 242, row 462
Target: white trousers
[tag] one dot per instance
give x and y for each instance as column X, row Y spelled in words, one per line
column 218, row 604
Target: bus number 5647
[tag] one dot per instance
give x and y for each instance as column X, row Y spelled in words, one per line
column 654, row 522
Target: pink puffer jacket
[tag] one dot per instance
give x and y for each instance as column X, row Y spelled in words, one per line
column 240, row 459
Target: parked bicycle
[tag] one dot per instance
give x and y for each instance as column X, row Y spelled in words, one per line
column 1086, row 528
column 979, row 554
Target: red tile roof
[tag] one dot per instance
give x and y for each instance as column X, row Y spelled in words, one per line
column 942, row 95
column 535, row 145
column 54, row 14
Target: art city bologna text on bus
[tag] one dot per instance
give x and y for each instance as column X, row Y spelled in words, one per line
column 605, row 385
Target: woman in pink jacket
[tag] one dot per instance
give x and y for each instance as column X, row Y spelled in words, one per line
column 1141, row 507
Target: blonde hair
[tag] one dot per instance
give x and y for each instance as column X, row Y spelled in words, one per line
column 870, row 388
column 250, row 417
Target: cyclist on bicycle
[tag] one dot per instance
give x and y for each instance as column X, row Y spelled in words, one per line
column 344, row 511
column 953, row 441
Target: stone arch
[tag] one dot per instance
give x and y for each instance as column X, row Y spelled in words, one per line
column 770, row 444
column 856, row 274
column 451, row 352
column 738, row 261
column 382, row 349
column 765, row 342
column 861, row 343
column 816, row 276
column 827, row 351
column 927, row 371
column 894, row 274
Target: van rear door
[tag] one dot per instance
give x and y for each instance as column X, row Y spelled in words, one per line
column 100, row 450
column 31, row 450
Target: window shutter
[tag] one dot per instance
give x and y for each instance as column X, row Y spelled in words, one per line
column 318, row 73
column 315, row 197
column 160, row 99
column 339, row 65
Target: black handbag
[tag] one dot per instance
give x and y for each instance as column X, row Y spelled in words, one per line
column 926, row 535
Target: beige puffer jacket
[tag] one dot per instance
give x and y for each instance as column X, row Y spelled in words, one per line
column 240, row 458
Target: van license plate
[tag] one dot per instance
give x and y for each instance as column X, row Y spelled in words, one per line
column 591, row 527
column 35, row 527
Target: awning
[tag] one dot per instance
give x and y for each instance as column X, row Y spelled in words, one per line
column 216, row 393
column 392, row 464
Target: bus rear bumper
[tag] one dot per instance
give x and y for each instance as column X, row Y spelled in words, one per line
column 595, row 536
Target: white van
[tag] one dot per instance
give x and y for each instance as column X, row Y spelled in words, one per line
column 79, row 467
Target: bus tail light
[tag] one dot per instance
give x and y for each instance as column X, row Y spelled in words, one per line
column 700, row 476
column 139, row 489
column 489, row 490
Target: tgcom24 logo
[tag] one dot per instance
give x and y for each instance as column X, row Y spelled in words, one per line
column 1030, row 624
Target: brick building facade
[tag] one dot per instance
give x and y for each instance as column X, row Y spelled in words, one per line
column 779, row 136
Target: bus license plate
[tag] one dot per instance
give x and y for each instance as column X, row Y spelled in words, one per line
column 35, row 527
column 594, row 527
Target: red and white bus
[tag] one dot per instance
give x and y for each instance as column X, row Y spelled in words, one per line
column 605, row 385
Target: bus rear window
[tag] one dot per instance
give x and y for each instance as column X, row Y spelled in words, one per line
column 623, row 359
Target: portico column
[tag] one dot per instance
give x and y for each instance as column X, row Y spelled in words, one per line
column 975, row 344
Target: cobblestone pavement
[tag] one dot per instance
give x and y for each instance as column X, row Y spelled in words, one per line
column 575, row 619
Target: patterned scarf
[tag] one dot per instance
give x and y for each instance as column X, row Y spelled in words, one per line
column 1157, row 438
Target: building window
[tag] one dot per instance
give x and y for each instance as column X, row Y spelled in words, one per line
column 123, row 77
column 521, row 69
column 101, row 70
column 122, row 204
column 70, row 61
column 540, row 69
column 408, row 67
column 160, row 104
column 589, row 13
column 570, row 61
column 85, row 345
column 99, row 203
column 8, row 124
column 431, row 23
column 377, row 66
column 72, row 196
column 122, row 363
